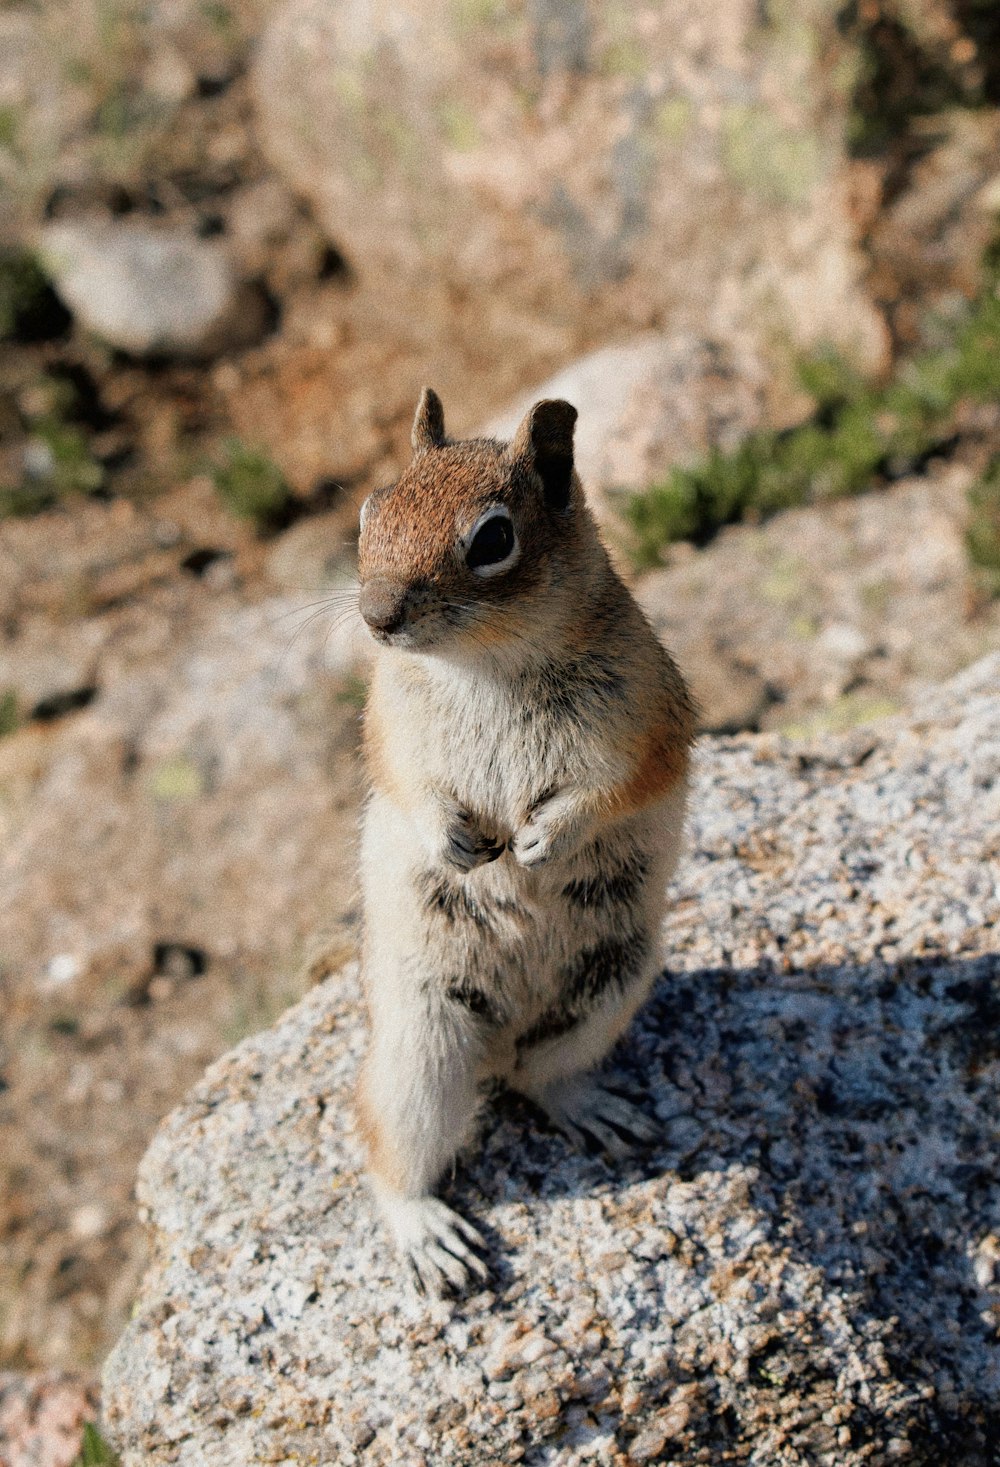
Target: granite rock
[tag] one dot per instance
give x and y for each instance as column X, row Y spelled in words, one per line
column 143, row 289
column 804, row 1271
column 827, row 615
column 649, row 403
column 633, row 164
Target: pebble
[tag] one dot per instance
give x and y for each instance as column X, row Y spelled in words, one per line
column 142, row 289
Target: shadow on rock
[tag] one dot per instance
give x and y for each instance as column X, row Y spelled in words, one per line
column 857, row 1104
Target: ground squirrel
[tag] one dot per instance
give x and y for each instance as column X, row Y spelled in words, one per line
column 527, row 745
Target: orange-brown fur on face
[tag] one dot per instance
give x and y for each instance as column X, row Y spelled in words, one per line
column 413, row 533
column 412, row 526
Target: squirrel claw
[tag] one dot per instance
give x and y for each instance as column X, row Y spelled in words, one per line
column 465, row 844
column 437, row 1244
column 543, row 835
column 587, row 1111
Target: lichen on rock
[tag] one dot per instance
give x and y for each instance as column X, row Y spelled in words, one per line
column 803, row 1271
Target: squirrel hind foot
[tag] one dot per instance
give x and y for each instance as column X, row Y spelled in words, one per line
column 588, row 1112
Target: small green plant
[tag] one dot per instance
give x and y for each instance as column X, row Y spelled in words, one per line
column 9, row 716
column 857, row 434
column 59, row 464
column 58, row 459
column 220, row 18
column 982, row 536
column 94, row 1450
column 22, row 288
column 65, row 463
column 768, row 472
column 250, row 484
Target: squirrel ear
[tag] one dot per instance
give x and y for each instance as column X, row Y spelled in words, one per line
column 544, row 441
column 428, row 425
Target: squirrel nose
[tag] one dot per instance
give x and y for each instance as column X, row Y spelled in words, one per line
column 383, row 605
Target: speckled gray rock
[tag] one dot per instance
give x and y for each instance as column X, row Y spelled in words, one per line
column 143, row 289
column 804, row 1272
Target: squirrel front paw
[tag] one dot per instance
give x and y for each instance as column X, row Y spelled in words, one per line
column 466, row 845
column 552, row 829
column 437, row 1244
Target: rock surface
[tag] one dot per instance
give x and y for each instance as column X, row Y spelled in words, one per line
column 647, row 404
column 181, row 693
column 805, row 1271
column 250, row 709
column 185, row 757
column 673, row 162
column 825, row 616
column 144, row 289
column 42, row 1418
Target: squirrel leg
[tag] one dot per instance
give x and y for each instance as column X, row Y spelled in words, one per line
column 417, row 1104
column 553, row 1070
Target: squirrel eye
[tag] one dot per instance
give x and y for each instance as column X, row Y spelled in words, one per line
column 492, row 544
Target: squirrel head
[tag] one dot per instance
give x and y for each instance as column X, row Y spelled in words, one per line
column 474, row 536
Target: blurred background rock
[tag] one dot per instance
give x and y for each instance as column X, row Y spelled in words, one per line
column 755, row 243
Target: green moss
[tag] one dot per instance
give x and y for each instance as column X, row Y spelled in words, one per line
column 784, row 583
column 59, row 462
column 976, row 370
column 624, row 57
column 9, row 716
column 471, row 15
column 220, row 18
column 461, row 130
column 982, row 536
column 66, row 464
column 805, row 627
column 22, row 286
column 94, row 1450
column 768, row 159
column 250, row 484
column 176, row 779
column 19, row 500
column 847, row 712
column 876, row 595
column 673, row 118
column 858, row 434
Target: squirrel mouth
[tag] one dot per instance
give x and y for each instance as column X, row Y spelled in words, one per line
column 398, row 636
